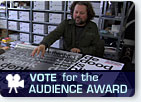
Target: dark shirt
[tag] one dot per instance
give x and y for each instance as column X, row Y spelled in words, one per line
column 78, row 33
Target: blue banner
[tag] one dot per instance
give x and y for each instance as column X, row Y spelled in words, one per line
column 67, row 84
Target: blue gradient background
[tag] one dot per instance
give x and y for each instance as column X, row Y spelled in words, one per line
column 106, row 77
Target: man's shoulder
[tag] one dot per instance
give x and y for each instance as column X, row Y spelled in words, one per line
column 93, row 23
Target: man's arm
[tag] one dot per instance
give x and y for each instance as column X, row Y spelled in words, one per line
column 54, row 35
column 49, row 40
column 94, row 48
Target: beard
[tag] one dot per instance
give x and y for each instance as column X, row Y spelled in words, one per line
column 79, row 21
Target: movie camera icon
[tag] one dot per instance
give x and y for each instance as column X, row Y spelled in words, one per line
column 14, row 82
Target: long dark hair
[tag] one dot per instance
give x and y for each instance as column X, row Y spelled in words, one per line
column 90, row 11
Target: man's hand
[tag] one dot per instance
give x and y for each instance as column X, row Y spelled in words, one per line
column 75, row 50
column 40, row 48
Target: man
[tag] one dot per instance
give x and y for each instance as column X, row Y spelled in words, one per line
column 80, row 35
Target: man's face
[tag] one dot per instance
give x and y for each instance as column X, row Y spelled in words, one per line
column 80, row 15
